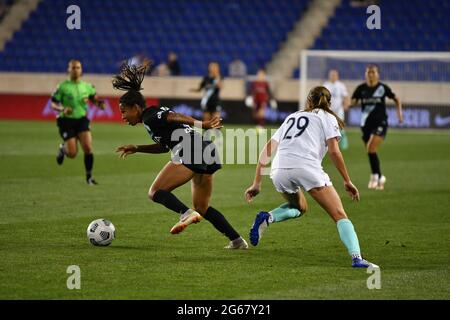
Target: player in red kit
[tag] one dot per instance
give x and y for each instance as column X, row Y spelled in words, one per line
column 261, row 95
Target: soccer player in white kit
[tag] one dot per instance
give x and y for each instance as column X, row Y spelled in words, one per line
column 340, row 101
column 299, row 146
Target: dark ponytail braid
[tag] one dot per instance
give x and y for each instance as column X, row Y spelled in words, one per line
column 130, row 79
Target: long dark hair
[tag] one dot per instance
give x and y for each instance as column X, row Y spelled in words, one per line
column 130, row 79
column 320, row 98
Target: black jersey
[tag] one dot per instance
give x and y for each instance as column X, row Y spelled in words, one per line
column 161, row 131
column 211, row 96
column 188, row 146
column 373, row 104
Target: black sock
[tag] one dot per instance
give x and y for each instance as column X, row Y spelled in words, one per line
column 170, row 201
column 220, row 223
column 375, row 164
column 88, row 164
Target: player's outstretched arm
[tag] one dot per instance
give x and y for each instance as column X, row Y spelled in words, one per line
column 219, row 84
column 214, row 123
column 338, row 161
column 126, row 150
column 353, row 103
column 199, row 88
column 97, row 102
column 398, row 104
column 346, row 103
column 263, row 161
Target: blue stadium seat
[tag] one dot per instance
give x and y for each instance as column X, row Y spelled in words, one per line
column 406, row 25
column 198, row 31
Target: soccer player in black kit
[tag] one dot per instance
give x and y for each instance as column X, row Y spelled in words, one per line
column 374, row 122
column 211, row 84
column 194, row 159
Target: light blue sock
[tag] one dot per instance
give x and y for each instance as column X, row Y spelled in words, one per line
column 284, row 212
column 343, row 144
column 349, row 237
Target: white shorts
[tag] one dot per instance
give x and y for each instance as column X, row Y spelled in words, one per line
column 307, row 177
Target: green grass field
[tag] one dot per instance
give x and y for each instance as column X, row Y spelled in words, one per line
column 45, row 210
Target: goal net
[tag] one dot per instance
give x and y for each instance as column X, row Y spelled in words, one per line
column 420, row 79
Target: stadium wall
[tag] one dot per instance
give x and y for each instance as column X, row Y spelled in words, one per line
column 26, row 96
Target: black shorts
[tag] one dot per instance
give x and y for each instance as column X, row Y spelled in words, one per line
column 70, row 128
column 204, row 161
column 378, row 129
column 203, row 169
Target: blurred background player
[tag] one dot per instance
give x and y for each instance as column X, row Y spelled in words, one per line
column 340, row 101
column 189, row 162
column 71, row 101
column 374, row 119
column 173, row 64
column 237, row 69
column 211, row 86
column 261, row 96
column 210, row 103
column 299, row 146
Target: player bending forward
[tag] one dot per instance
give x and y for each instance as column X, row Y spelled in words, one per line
column 194, row 159
column 300, row 145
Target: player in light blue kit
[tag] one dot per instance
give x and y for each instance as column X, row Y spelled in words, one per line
column 300, row 145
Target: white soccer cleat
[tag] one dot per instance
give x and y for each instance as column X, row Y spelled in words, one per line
column 381, row 183
column 61, row 154
column 238, row 243
column 185, row 220
column 362, row 263
column 373, row 182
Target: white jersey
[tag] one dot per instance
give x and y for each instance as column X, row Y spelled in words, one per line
column 338, row 93
column 302, row 139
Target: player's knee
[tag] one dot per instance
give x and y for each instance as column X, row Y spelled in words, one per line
column 159, row 195
column 71, row 153
column 371, row 148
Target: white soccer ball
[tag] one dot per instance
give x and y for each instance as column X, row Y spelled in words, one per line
column 273, row 104
column 249, row 101
column 101, row 232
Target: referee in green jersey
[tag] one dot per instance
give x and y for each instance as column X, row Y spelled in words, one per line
column 70, row 100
